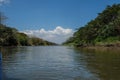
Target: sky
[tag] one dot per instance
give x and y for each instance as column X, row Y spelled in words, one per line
column 53, row 20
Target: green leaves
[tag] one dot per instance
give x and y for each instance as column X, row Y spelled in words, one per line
column 104, row 28
column 7, row 36
column 11, row 37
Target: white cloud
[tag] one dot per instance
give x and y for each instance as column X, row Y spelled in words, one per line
column 58, row 35
column 4, row 1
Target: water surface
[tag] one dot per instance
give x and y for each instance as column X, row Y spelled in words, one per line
column 59, row 63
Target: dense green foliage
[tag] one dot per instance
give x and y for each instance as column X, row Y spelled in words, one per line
column 103, row 30
column 11, row 37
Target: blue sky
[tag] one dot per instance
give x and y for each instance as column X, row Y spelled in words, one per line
column 49, row 14
column 35, row 14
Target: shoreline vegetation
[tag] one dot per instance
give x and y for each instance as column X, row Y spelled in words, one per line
column 12, row 37
column 103, row 31
column 97, row 49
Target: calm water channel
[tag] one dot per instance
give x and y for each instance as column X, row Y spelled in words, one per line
column 59, row 63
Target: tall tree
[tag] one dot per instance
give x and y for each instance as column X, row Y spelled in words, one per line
column 2, row 17
column 103, row 30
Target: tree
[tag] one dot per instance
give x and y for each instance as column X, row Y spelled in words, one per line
column 105, row 27
column 2, row 17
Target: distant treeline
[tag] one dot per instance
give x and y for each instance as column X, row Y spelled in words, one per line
column 104, row 30
column 11, row 37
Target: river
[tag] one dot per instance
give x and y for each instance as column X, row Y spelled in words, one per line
column 59, row 63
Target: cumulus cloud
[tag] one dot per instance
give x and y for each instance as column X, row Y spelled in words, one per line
column 58, row 35
column 4, row 1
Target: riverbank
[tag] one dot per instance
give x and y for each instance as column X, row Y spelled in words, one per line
column 100, row 49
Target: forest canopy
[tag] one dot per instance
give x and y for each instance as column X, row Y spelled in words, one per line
column 12, row 37
column 104, row 30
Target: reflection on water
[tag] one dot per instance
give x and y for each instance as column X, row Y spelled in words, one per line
column 59, row 63
column 105, row 62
